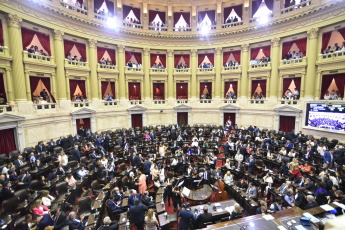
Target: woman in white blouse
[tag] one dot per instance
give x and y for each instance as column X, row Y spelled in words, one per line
column 229, row 178
column 104, row 161
column 195, row 142
column 292, row 153
column 269, row 180
column 283, row 151
column 162, row 174
column 228, row 164
column 47, row 199
column 269, row 154
column 63, row 159
column 321, row 149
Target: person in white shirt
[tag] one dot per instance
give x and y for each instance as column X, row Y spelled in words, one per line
column 228, row 164
column 283, row 151
column 269, row 154
column 162, row 174
column 47, row 199
column 195, row 142
column 291, row 153
column 321, row 149
column 63, row 159
column 82, row 172
column 269, row 180
column 229, row 178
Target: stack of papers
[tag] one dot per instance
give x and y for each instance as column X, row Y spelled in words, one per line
column 217, row 204
column 230, row 209
column 340, row 205
column 268, row 217
column 327, row 207
column 312, row 218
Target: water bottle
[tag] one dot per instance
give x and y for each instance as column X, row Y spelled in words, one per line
column 26, row 202
column 58, row 177
column 48, row 182
column 35, row 193
column 68, row 191
column 128, row 225
column 9, row 218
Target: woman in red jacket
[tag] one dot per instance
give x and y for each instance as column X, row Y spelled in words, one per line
column 297, row 173
column 39, row 209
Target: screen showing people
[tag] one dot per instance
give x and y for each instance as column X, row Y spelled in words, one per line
column 326, row 116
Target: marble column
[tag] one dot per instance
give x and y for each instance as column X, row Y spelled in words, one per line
column 146, row 67
column 93, row 69
column 312, row 52
column 15, row 44
column 244, row 65
column 60, row 66
column 194, row 69
column 275, row 61
column 218, row 68
column 170, row 67
column 121, row 65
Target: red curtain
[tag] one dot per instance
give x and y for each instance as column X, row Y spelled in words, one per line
column 255, row 6
column 209, row 88
column 104, row 86
column 158, row 91
column 81, row 49
column 98, row 4
column 287, row 83
column 46, row 82
column 137, row 56
column 286, row 48
column 185, row 15
column 112, row 86
column 236, row 54
column 7, row 141
column 339, row 81
column 153, row 58
column 181, row 90
column 232, row 117
column 302, row 45
column 262, row 83
column 182, row 118
column 73, row 86
column 86, row 122
column 27, row 36
column 269, row 4
column 227, row 86
column 210, row 13
column 178, row 57
column 286, row 123
column 68, row 46
column 342, row 32
column 137, row 120
column 110, row 6
column 153, row 13
column 101, row 51
column 255, row 51
column 201, row 57
column 1, row 35
column 126, row 9
column 134, row 91
column 325, row 40
column 227, row 10
column 162, row 58
column 2, row 86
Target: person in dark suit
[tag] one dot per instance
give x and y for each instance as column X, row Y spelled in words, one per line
column 40, row 148
column 108, row 224
column 311, row 202
column 60, row 219
column 251, row 165
column 309, row 185
column 70, row 141
column 137, row 214
column 81, row 131
column 64, row 143
column 113, row 205
column 186, row 216
column 52, row 175
column 239, row 166
column 6, row 191
column 243, row 151
column 300, row 200
column 203, row 218
column 43, row 221
column 25, row 225
column 75, row 153
column 242, row 184
column 148, row 200
column 24, row 180
column 60, row 170
column 106, row 142
column 132, row 197
column 13, row 175
column 147, row 167
column 51, row 143
column 328, row 157
column 263, row 208
column 135, row 160
column 74, row 222
column 19, row 162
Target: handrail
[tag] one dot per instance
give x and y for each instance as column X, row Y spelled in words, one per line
column 37, row 57
column 232, row 24
column 232, row 67
column 296, row 7
column 257, row 101
column 206, row 69
column 76, row 63
column 333, row 55
column 77, row 9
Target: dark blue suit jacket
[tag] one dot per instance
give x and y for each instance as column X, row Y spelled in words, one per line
column 75, row 155
column 113, row 206
column 46, row 221
column 327, row 157
column 137, row 213
column 131, row 199
column 147, row 167
column 186, row 216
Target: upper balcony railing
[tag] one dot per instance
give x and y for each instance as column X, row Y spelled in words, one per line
column 81, row 10
column 46, row 106
column 293, row 62
column 6, row 108
column 288, row 102
column 133, row 69
column 232, row 24
column 338, row 55
column 159, row 101
column 206, row 70
column 31, row 57
column 182, row 29
column 186, row 71
column 135, row 101
column 181, row 100
column 80, row 104
column 265, row 65
column 4, row 51
column 256, row 101
column 158, row 70
column 301, row 5
column 200, row 28
column 111, row 103
column 76, row 64
column 107, row 68
column 230, row 101
column 132, row 25
column 158, row 28
column 205, row 101
column 232, row 68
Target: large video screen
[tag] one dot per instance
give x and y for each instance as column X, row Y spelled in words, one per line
column 326, row 116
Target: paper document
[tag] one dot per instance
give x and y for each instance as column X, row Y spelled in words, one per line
column 300, row 227
column 268, row 217
column 185, row 191
column 181, row 183
column 327, row 207
column 313, row 218
column 219, row 210
column 281, row 227
column 230, row 209
column 340, row 205
column 217, row 204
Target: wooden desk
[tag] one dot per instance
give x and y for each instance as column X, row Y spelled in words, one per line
column 160, row 208
column 125, row 202
column 202, row 194
column 216, row 214
column 91, row 221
